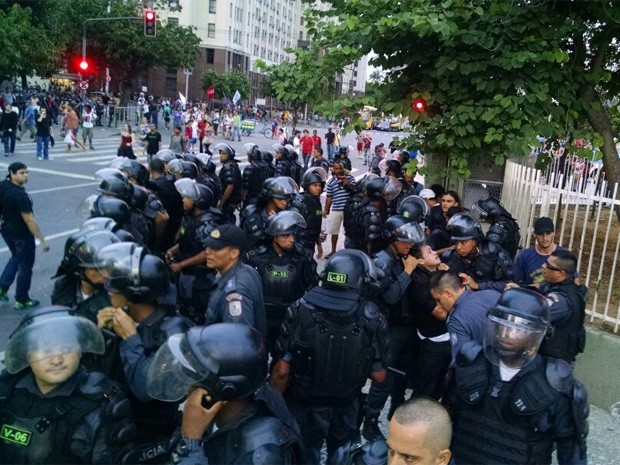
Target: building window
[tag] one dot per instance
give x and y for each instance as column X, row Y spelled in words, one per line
column 209, row 56
column 173, row 21
column 212, row 4
column 171, row 83
column 211, row 30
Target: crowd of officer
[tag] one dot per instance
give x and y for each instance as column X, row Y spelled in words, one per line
column 189, row 324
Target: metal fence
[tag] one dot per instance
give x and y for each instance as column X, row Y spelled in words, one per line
column 583, row 207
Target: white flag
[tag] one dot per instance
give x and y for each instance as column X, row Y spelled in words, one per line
column 236, row 97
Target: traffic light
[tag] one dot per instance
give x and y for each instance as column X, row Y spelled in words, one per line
column 84, row 64
column 150, row 23
column 419, row 104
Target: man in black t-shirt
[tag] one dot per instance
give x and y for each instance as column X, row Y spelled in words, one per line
column 153, row 142
column 19, row 230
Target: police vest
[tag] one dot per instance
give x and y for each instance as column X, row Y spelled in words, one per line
column 569, row 339
column 503, row 422
column 310, row 208
column 37, row 430
column 253, row 223
column 332, row 352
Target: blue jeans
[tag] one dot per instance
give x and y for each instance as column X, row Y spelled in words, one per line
column 43, row 145
column 236, row 130
column 20, row 264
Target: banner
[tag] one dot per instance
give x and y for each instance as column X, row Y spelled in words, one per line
column 236, row 97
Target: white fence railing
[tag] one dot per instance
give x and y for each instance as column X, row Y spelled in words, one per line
column 586, row 224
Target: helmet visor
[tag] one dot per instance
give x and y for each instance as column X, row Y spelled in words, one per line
column 187, row 188
column 165, row 155
column 172, row 371
column 392, row 188
column 410, row 233
column 283, row 187
column 175, row 167
column 120, row 263
column 51, row 337
column 477, row 213
column 512, row 340
column 87, row 208
column 284, row 223
column 317, row 172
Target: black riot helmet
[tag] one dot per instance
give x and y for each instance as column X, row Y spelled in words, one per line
column 139, row 198
column 361, row 185
column 99, row 224
column 279, row 149
column 267, row 156
column 132, row 272
column 200, row 194
column 517, row 325
column 280, row 187
column 115, row 209
column 394, row 167
column 183, row 169
column 228, row 360
column 386, row 188
column 206, row 163
column 284, row 223
column 114, row 183
column 252, row 152
column 399, row 228
column 463, row 227
column 414, row 208
column 165, row 155
column 189, row 157
column 290, row 153
column 491, row 208
column 350, row 269
column 81, row 247
column 314, row 175
column 50, row 331
column 225, row 151
column 132, row 168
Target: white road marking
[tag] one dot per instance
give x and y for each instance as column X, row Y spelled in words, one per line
column 53, row 189
column 49, row 238
column 57, row 173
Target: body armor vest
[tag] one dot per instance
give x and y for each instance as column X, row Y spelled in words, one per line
column 350, row 210
column 332, row 353
column 230, row 174
column 253, row 223
column 212, row 182
column 392, row 266
column 569, row 339
column 310, row 208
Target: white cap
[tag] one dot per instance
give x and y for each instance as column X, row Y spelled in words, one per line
column 427, row 194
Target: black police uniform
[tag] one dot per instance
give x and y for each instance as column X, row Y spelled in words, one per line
column 505, row 232
column 171, row 200
column 567, row 306
column 308, row 206
column 516, row 421
column 68, row 292
column 354, row 202
column 253, row 219
column 322, row 163
column 86, row 419
column 195, row 284
column 285, row 278
column 369, row 223
column 332, row 353
column 213, row 182
column 231, row 175
column 490, row 266
column 252, row 180
column 238, row 298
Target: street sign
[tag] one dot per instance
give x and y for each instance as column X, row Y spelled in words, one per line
column 83, row 85
column 108, row 78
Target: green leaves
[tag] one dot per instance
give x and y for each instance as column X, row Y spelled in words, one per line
column 227, row 83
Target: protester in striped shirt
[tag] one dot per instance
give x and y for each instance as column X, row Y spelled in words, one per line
column 340, row 188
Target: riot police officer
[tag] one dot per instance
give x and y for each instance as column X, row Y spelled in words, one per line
column 162, row 185
column 238, row 295
column 223, row 366
column 355, row 202
column 78, row 282
column 254, row 175
column 283, row 163
column 285, row 268
column 504, row 229
column 481, row 264
column 330, row 343
column 276, row 195
column 53, row 409
column 371, row 216
column 230, row 178
column 116, row 210
column 267, row 163
column 135, row 282
column 208, row 177
column 414, row 208
column 186, row 258
column 505, row 393
column 308, row 205
column 397, row 265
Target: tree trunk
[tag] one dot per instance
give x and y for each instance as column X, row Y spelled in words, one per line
column 24, row 81
column 601, row 122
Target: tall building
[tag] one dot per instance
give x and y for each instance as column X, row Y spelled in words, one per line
column 236, row 33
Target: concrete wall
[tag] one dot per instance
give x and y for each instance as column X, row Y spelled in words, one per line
column 598, row 368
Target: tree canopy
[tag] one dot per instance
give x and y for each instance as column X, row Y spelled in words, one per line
column 495, row 74
column 226, row 84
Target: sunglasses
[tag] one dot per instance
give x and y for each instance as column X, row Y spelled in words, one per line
column 551, row 267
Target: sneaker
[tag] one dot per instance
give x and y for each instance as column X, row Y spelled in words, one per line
column 30, row 303
column 6, row 154
column 371, row 431
column 39, row 158
column 4, row 297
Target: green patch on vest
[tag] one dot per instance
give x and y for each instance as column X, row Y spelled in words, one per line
column 279, row 274
column 15, row 435
column 319, row 213
column 337, row 278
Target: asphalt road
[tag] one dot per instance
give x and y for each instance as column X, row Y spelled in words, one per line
column 58, row 187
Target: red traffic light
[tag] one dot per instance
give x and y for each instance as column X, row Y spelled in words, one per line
column 83, row 65
column 150, row 23
column 419, row 104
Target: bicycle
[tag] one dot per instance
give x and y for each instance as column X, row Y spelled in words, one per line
column 267, row 132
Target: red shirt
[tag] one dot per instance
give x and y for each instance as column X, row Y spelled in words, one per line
column 317, row 141
column 307, row 144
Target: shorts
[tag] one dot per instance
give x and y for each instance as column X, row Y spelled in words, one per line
column 334, row 222
column 360, row 146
